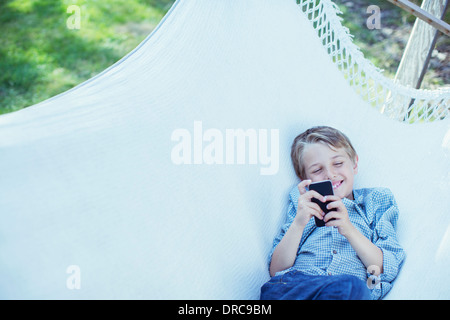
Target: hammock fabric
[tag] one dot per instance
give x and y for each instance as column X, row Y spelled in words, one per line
column 132, row 185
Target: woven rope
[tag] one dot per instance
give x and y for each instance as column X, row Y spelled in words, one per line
column 390, row 98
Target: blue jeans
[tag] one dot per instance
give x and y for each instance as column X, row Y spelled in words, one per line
column 295, row 285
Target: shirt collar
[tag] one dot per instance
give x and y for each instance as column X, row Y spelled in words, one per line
column 358, row 197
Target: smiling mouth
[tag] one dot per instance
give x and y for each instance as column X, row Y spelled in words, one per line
column 337, row 184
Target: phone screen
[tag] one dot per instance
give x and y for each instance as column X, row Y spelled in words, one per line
column 325, row 188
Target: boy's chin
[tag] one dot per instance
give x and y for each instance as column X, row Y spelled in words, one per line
column 344, row 190
column 344, row 193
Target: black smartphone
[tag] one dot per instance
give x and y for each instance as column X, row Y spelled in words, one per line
column 325, row 188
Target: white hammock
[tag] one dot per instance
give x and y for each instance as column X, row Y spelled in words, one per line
column 90, row 179
column 393, row 99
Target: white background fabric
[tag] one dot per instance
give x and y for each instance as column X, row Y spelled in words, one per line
column 87, row 177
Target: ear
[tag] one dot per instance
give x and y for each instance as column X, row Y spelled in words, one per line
column 355, row 164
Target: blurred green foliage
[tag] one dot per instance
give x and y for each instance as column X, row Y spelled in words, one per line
column 41, row 57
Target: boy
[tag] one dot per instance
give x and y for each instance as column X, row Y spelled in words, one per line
column 356, row 255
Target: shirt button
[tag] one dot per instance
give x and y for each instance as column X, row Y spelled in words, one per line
column 334, row 251
column 329, row 273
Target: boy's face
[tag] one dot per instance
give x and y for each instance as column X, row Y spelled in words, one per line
column 323, row 163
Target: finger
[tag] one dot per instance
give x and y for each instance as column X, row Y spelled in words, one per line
column 311, row 209
column 314, row 208
column 335, row 204
column 314, row 194
column 332, row 223
column 302, row 186
column 333, row 198
column 319, row 214
column 332, row 215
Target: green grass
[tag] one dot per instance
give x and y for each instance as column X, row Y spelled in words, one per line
column 41, row 57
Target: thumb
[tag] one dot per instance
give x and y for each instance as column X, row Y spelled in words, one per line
column 302, row 186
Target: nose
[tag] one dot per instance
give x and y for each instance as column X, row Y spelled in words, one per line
column 329, row 174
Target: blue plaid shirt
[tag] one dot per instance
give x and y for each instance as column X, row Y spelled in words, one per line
column 324, row 251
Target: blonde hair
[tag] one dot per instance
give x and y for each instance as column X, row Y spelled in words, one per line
column 321, row 134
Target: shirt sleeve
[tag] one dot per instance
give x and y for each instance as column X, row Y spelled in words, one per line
column 291, row 213
column 385, row 238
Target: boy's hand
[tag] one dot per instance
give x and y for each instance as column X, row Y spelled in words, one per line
column 306, row 208
column 340, row 214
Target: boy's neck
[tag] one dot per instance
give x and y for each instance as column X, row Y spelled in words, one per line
column 351, row 196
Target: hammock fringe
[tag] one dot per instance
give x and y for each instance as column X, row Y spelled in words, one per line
column 391, row 98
